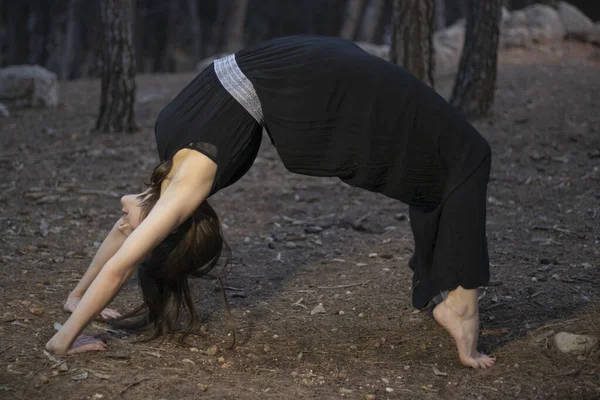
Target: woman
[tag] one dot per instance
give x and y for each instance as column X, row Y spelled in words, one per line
column 330, row 109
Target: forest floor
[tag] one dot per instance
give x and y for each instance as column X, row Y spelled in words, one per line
column 299, row 242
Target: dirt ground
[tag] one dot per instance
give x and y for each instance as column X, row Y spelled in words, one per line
column 299, row 242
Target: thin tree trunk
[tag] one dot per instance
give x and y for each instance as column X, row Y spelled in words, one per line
column 38, row 31
column 351, row 19
column 118, row 68
column 371, row 20
column 473, row 92
column 1, row 44
column 412, row 37
column 168, row 61
column 196, row 29
column 440, row 15
column 236, row 25
column 17, row 34
column 69, row 42
column 139, row 32
column 218, row 29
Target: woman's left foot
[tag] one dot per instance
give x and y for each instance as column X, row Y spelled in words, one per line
column 463, row 325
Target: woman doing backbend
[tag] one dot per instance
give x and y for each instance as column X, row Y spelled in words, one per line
column 330, row 109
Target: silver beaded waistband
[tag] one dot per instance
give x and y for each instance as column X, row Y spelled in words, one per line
column 240, row 87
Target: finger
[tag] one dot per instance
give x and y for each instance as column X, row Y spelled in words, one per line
column 88, row 347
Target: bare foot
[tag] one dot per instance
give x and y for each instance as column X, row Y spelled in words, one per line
column 464, row 328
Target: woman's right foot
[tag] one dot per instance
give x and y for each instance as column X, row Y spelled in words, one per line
column 460, row 318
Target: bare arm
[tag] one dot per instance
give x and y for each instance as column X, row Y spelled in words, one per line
column 109, row 247
column 189, row 187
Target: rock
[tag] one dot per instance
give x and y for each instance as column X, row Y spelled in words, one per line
column 29, row 85
column 570, row 343
column 594, row 35
column 202, row 64
column 517, row 19
column 318, row 310
column 212, row 350
column 4, row 111
column 576, row 24
column 517, row 36
column 505, row 14
column 452, row 37
column 544, row 23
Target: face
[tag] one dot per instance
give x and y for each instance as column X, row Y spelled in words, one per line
column 132, row 213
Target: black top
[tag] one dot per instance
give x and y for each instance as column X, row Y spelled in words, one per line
column 330, row 109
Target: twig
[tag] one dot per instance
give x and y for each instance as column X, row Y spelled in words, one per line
column 7, row 348
column 344, row 286
column 132, row 385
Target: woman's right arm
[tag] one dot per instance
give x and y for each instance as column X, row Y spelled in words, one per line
column 111, row 244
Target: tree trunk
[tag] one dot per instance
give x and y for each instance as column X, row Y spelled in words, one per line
column 118, row 68
column 412, row 37
column 218, row 29
column 440, row 15
column 196, row 29
column 371, row 20
column 39, row 16
column 69, row 42
column 351, row 19
column 473, row 92
column 17, row 33
column 236, row 25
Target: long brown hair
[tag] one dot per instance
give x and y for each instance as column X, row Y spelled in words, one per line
column 194, row 249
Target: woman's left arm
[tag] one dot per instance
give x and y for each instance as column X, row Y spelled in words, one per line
column 190, row 185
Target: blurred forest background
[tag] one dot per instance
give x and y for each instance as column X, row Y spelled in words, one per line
column 174, row 35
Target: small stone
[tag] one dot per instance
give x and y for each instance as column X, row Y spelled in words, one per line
column 318, row 310
column 570, row 343
column 389, row 390
column 194, row 349
column 202, row 387
column 81, row 376
column 44, row 379
column 534, row 279
column 98, row 396
column 313, row 229
column 212, row 350
column 556, row 277
column 290, row 245
column 346, row 391
column 267, row 348
column 341, row 312
column 373, row 255
column 400, row 217
column 361, row 315
column 36, row 311
column 221, row 360
column 275, row 336
column 63, row 367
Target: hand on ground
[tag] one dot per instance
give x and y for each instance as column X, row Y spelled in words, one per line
column 85, row 343
column 108, row 313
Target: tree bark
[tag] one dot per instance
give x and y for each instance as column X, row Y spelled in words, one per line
column 236, row 25
column 196, row 29
column 351, row 19
column 412, row 37
column 440, row 15
column 473, row 92
column 69, row 42
column 371, row 20
column 118, row 68
column 17, row 33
